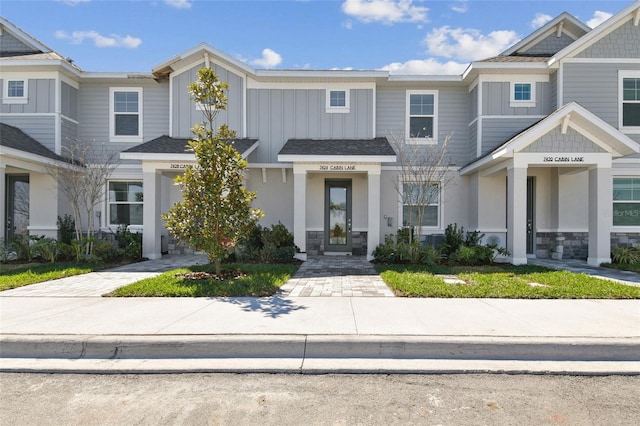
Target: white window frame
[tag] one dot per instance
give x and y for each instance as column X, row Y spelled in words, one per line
column 621, row 76
column 109, row 202
column 6, row 99
column 618, row 227
column 424, row 141
column 522, row 103
column 401, row 205
column 112, row 116
column 338, row 109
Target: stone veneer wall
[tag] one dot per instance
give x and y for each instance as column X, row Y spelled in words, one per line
column 315, row 243
column 575, row 245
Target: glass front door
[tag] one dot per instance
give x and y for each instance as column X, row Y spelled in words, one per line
column 17, row 212
column 337, row 216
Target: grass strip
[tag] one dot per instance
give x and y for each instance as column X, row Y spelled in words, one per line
column 31, row 273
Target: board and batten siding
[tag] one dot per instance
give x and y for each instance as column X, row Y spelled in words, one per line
column 69, row 101
column 496, row 97
column 453, row 117
column 277, row 115
column 93, row 106
column 41, row 127
column 185, row 114
column 41, row 97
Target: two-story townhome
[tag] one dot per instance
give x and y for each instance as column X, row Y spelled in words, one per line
column 543, row 142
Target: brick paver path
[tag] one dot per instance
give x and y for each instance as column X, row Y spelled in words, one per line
column 341, row 276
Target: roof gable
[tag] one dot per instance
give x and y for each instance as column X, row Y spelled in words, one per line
column 16, row 41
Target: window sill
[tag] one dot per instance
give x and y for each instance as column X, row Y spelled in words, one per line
column 630, row 130
column 15, row 100
column 338, row 110
column 126, row 139
column 522, row 104
column 422, row 141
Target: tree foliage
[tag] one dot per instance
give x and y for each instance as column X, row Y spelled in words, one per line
column 215, row 211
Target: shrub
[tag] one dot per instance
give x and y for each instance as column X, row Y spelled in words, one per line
column 46, row 248
column 269, row 245
column 129, row 242
column 106, row 251
column 625, row 255
column 453, row 239
column 66, row 228
column 22, row 246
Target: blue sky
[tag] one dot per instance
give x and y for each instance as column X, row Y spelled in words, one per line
column 403, row 36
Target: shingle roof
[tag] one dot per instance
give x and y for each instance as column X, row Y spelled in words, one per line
column 517, row 58
column 12, row 137
column 376, row 146
column 168, row 145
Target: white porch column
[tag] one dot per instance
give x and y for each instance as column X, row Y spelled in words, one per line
column 151, row 222
column 517, row 215
column 600, row 219
column 300, row 211
column 43, row 205
column 3, row 200
column 373, row 227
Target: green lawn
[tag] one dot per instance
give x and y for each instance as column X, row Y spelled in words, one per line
column 501, row 281
column 258, row 280
column 17, row 275
column 624, row 267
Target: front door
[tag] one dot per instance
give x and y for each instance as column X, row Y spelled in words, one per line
column 17, row 212
column 531, row 234
column 337, row 216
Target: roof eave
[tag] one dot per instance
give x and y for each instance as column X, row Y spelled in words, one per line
column 337, row 158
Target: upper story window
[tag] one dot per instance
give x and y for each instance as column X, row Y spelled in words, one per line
column 125, row 120
column 15, row 92
column 630, row 101
column 422, row 116
column 523, row 95
column 337, row 101
column 626, row 201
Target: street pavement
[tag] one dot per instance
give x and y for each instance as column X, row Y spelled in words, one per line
column 56, row 327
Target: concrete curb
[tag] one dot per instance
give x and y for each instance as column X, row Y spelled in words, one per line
column 318, row 354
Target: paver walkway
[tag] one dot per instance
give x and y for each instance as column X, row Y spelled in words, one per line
column 341, row 276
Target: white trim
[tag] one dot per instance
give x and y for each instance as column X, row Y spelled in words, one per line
column 622, row 74
column 6, row 99
column 64, row 117
column 560, row 85
column 125, row 138
column 515, row 78
column 338, row 109
column 254, row 84
column 623, row 229
column 427, row 140
column 374, row 111
column 29, row 114
column 528, row 103
column 358, row 159
column 507, row 117
column 633, row 61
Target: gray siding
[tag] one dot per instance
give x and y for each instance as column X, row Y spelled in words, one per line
column 496, row 98
column 595, row 87
column 553, row 90
column 621, row 43
column 69, row 99
column 41, row 95
column 185, row 114
column 10, row 44
column 495, row 132
column 69, row 133
column 473, row 141
column 453, row 117
column 276, row 115
column 40, row 128
column 473, row 104
column 555, row 141
column 550, row 45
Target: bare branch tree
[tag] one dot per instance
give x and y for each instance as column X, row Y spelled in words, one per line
column 424, row 172
column 83, row 180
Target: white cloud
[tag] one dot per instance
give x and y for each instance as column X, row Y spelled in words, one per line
column 179, row 4
column 269, row 59
column 385, row 11
column 347, row 24
column 73, row 2
column 467, row 44
column 113, row 40
column 598, row 18
column 426, row 67
column 540, row 20
column 460, row 6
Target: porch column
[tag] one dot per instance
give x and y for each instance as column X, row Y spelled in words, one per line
column 3, row 201
column 373, row 227
column 151, row 223
column 600, row 219
column 300, row 211
column 517, row 215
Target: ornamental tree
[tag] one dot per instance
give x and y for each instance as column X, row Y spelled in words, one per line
column 215, row 211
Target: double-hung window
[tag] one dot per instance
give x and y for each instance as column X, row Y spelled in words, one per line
column 125, row 203
column 626, row 201
column 15, row 91
column 422, row 116
column 421, row 204
column 630, row 101
column 126, row 114
column 337, row 101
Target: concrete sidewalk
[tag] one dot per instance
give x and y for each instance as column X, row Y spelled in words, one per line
column 41, row 329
